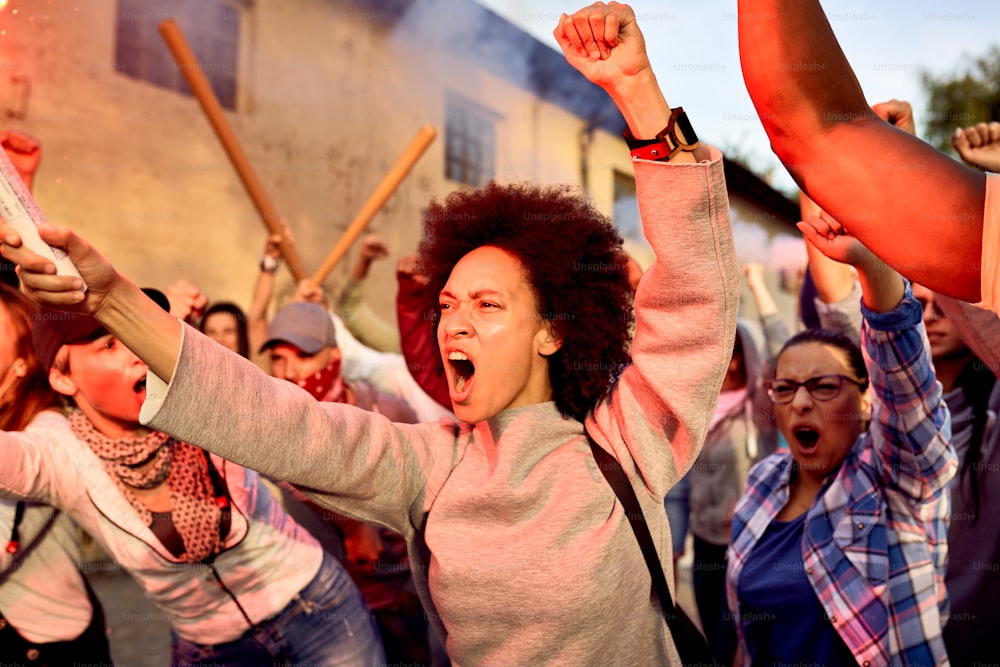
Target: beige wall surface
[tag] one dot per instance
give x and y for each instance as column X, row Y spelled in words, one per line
column 328, row 96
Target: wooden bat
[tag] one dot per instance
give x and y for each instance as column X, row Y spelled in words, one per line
column 389, row 183
column 191, row 69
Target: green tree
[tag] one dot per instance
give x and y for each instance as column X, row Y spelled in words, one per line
column 968, row 96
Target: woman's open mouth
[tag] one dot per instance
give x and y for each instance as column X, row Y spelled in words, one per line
column 463, row 371
column 807, row 437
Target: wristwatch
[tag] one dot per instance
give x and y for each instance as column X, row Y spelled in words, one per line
column 269, row 264
column 677, row 136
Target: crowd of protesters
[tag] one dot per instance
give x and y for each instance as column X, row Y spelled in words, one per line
column 287, row 491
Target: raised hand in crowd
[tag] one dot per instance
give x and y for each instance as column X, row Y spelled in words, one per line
column 372, row 248
column 355, row 312
column 607, row 47
column 263, row 291
column 979, row 145
column 881, row 287
column 753, row 273
column 24, row 152
column 186, row 301
column 898, row 113
column 306, row 291
column 407, row 274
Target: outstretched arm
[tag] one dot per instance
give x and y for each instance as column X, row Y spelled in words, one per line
column 753, row 272
column 775, row 330
column 913, row 206
column 135, row 319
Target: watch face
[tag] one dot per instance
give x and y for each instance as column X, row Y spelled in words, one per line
column 684, row 125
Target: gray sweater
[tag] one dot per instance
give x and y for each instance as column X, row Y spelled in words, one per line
column 519, row 549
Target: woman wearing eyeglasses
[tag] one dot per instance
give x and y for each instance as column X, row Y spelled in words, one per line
column 838, row 546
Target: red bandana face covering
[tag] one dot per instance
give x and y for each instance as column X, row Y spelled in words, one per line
column 326, row 384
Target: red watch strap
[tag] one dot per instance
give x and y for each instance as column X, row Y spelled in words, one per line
column 659, row 151
column 666, row 144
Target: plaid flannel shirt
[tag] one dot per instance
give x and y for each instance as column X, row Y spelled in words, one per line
column 874, row 541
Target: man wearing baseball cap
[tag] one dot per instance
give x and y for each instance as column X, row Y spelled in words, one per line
column 237, row 578
column 302, row 343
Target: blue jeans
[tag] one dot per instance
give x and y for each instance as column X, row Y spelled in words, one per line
column 327, row 625
column 678, row 513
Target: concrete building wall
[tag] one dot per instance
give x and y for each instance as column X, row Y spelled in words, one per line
column 329, row 95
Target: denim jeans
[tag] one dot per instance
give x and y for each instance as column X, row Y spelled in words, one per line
column 708, row 576
column 326, row 624
column 678, row 513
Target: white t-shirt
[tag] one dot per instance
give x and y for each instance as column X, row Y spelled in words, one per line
column 44, row 598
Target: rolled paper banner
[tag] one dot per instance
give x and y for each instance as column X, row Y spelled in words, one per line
column 20, row 211
column 191, row 69
column 377, row 200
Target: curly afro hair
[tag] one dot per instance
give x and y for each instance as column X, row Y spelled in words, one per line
column 573, row 260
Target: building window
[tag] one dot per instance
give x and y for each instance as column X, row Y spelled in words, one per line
column 470, row 141
column 211, row 27
column 626, row 211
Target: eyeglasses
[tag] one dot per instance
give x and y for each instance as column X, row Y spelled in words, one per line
column 821, row 387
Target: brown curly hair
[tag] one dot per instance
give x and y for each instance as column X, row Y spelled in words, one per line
column 573, row 260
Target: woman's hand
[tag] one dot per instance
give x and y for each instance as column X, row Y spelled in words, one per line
column 38, row 274
column 604, row 43
column 186, row 301
column 898, row 113
column 979, row 145
column 306, row 291
column 881, row 287
column 754, row 274
column 830, row 238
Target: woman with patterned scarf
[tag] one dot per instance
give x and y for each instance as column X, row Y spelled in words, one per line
column 239, row 581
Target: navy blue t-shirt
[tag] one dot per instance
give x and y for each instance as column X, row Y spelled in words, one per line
column 783, row 621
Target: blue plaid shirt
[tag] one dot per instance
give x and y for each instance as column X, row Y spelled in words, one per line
column 874, row 542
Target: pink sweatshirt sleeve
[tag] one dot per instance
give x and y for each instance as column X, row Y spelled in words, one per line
column 657, row 416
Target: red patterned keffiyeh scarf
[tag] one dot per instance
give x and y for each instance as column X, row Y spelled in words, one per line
column 194, row 511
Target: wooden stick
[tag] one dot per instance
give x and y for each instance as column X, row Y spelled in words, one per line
column 389, row 183
column 191, row 69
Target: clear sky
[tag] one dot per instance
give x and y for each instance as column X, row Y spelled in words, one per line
column 693, row 48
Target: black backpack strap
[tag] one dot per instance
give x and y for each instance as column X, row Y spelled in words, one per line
column 14, row 544
column 613, row 472
column 688, row 639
